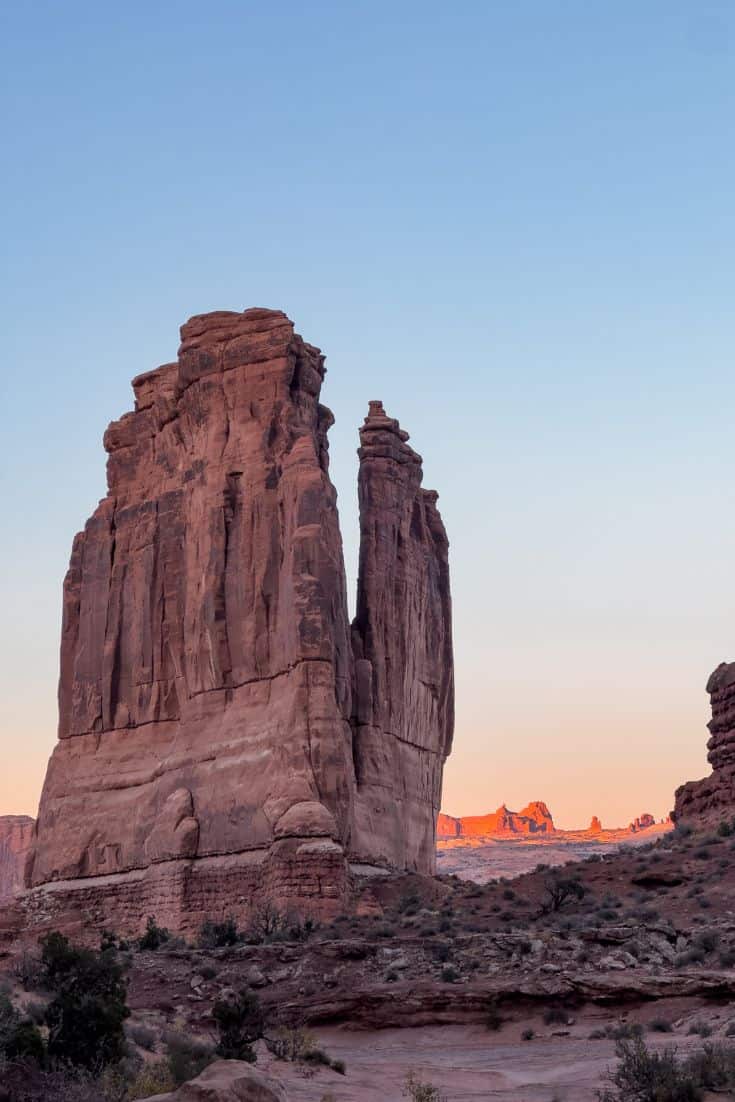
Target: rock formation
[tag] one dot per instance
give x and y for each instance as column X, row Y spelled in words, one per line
column 535, row 818
column 642, row 822
column 16, row 835
column 595, row 826
column 223, row 734
column 714, row 797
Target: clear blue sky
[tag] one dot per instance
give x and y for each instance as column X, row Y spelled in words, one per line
column 512, row 222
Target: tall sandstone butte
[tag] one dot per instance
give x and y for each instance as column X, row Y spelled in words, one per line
column 225, row 737
column 714, row 796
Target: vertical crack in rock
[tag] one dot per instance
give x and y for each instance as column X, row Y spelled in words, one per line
column 224, row 735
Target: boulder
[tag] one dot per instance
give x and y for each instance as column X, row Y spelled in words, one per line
column 227, row 1081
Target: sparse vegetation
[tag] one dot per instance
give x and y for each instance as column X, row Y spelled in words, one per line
column 217, row 935
column 154, row 935
column 240, row 1022
column 419, row 1091
column 559, row 890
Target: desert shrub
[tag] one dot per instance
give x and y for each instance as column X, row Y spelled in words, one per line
column 700, row 1029
column 706, row 940
column 418, row 1091
column 724, row 829
column 624, row 1031
column 154, row 935
column 186, row 1057
column 409, row 904
column 151, row 1079
column 441, row 951
column 268, row 924
column 508, row 893
column 598, row 1035
column 559, row 890
column 528, row 1035
column 643, row 1076
column 556, row 1015
column 449, row 974
column 339, row 1066
column 713, row 1068
column 660, row 1025
column 290, row 1042
column 240, row 1022
column 207, row 972
column 143, row 1036
column 217, row 935
column 27, row 970
column 727, row 958
column 86, row 1015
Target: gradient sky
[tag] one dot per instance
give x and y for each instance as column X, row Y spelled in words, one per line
column 512, row 222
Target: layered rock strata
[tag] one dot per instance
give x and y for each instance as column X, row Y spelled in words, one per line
column 714, row 796
column 16, row 836
column 224, row 737
column 535, row 818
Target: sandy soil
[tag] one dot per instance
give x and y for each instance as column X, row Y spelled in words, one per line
column 470, row 1063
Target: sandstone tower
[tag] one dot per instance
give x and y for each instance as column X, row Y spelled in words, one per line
column 225, row 735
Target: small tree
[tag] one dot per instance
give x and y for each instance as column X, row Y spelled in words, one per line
column 154, row 936
column 85, row 1018
column 240, row 1022
column 558, row 891
column 419, row 1091
column 643, row 1076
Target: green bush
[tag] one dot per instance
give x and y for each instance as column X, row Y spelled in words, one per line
column 154, row 936
column 186, row 1057
column 240, row 1022
column 217, row 935
column 86, row 1015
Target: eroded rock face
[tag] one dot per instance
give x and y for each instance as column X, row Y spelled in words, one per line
column 402, row 642
column 715, row 795
column 222, row 734
column 16, row 837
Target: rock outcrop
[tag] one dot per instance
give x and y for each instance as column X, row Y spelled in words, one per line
column 227, row 1081
column 535, row 818
column 595, row 826
column 16, row 836
column 714, row 796
column 223, row 734
column 642, row 822
column 401, row 636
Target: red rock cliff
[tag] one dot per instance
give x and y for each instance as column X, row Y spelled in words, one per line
column 714, row 796
column 16, row 836
column 211, row 746
column 402, row 641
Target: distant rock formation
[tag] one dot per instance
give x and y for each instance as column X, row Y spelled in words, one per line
column 715, row 795
column 535, row 818
column 16, row 836
column 225, row 735
column 595, row 826
column 643, row 822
